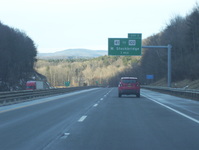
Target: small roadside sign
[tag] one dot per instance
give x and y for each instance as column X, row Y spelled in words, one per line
column 150, row 76
column 67, row 83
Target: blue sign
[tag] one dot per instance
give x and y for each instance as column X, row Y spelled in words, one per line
column 149, row 76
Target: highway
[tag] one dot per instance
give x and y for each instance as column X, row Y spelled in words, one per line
column 97, row 119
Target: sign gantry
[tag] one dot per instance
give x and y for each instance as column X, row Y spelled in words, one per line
column 132, row 46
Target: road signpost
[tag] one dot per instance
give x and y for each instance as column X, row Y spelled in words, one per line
column 168, row 61
column 132, row 46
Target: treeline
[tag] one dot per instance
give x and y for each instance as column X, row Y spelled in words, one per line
column 17, row 57
column 183, row 34
column 81, row 72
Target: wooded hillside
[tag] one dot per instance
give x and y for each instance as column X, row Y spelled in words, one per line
column 183, row 34
column 18, row 51
column 81, row 72
column 17, row 57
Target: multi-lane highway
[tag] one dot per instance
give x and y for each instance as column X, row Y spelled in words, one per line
column 97, row 119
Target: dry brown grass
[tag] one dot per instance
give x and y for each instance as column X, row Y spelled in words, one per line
column 181, row 84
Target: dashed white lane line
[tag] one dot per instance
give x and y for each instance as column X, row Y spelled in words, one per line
column 95, row 105
column 101, row 99
column 82, row 118
column 65, row 135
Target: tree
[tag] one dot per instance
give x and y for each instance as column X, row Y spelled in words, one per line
column 17, row 57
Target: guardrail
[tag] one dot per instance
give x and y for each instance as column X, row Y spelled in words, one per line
column 7, row 98
column 182, row 92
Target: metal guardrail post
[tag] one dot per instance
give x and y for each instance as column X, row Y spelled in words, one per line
column 169, row 65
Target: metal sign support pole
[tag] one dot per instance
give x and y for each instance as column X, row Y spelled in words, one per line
column 169, row 65
column 169, row 61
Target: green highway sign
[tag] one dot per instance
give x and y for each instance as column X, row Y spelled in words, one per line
column 135, row 36
column 67, row 83
column 125, row 46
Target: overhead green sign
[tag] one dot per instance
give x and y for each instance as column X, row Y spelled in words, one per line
column 135, row 36
column 125, row 46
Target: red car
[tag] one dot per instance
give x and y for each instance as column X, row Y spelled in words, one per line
column 129, row 86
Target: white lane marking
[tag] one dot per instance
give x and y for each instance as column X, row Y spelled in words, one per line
column 108, row 93
column 82, row 118
column 95, row 105
column 101, row 99
column 65, row 135
column 174, row 110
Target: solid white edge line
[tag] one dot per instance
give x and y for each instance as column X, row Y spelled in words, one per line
column 82, row 118
column 176, row 111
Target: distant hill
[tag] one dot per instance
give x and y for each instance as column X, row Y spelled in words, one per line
column 72, row 54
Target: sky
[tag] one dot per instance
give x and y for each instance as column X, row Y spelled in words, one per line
column 56, row 25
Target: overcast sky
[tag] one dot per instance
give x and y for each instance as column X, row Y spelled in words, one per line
column 56, row 25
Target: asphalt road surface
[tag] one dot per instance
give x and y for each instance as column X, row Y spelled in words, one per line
column 97, row 119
